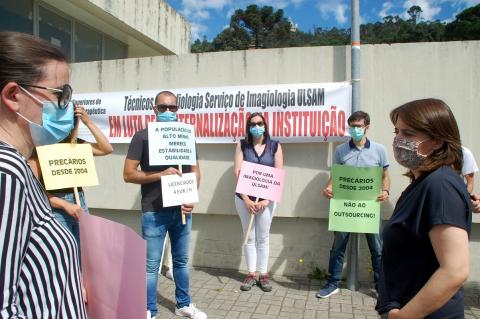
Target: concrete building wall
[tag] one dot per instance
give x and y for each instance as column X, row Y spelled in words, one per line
column 154, row 19
column 149, row 27
column 391, row 75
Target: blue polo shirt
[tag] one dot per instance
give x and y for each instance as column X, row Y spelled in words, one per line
column 372, row 154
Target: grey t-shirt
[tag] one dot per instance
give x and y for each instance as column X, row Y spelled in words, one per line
column 152, row 192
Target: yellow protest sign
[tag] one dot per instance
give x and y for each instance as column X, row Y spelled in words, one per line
column 67, row 165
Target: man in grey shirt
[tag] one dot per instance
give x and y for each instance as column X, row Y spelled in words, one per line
column 360, row 152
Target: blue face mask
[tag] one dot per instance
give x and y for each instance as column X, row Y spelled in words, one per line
column 166, row 116
column 56, row 123
column 357, row 133
column 257, row 131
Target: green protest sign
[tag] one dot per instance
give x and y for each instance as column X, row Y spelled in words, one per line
column 362, row 183
column 354, row 207
column 358, row 216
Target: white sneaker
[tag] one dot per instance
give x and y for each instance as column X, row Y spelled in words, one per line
column 191, row 311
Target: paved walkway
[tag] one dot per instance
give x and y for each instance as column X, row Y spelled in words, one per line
column 217, row 293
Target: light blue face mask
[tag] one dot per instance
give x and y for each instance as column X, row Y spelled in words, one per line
column 166, row 116
column 257, row 131
column 357, row 133
column 56, row 123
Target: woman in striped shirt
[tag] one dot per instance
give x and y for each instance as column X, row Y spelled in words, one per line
column 39, row 266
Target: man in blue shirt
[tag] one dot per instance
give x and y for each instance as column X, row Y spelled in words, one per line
column 360, row 152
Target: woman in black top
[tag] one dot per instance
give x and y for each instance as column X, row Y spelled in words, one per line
column 39, row 266
column 425, row 243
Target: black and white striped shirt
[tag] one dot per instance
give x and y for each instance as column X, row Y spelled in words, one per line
column 39, row 267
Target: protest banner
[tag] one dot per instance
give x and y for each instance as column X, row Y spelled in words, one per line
column 354, row 207
column 113, row 269
column 178, row 190
column 260, row 181
column 299, row 112
column 171, row 143
column 67, row 165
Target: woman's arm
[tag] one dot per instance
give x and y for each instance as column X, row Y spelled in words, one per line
column 238, row 160
column 450, row 244
column 101, row 146
column 74, row 210
column 279, row 157
column 196, row 169
column 475, row 198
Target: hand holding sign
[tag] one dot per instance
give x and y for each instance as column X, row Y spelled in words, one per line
column 262, row 182
column 180, row 190
column 74, row 210
column 187, row 208
column 354, row 207
column 172, row 143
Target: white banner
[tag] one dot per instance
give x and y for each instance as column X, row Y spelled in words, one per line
column 307, row 112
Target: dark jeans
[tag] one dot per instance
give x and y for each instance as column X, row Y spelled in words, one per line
column 337, row 255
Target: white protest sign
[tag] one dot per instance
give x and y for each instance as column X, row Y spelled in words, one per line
column 178, row 190
column 171, row 143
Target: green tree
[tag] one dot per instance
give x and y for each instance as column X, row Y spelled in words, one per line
column 230, row 40
column 415, row 12
column 201, row 46
column 268, row 28
column 265, row 27
column 466, row 26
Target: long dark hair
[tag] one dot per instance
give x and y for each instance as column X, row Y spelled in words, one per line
column 248, row 135
column 434, row 118
column 22, row 57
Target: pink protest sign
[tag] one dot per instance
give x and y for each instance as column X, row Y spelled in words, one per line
column 113, row 268
column 261, row 181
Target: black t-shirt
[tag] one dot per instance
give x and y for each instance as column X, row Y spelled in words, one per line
column 408, row 258
column 152, row 192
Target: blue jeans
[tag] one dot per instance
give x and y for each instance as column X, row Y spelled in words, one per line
column 66, row 220
column 155, row 225
column 337, row 254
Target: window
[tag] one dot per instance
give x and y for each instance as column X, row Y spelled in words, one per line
column 55, row 29
column 114, row 49
column 88, row 44
column 79, row 42
column 16, row 16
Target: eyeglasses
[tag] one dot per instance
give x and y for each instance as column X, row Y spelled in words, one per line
column 356, row 126
column 163, row 107
column 252, row 124
column 64, row 95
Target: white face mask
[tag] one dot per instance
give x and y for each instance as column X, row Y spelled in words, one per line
column 56, row 123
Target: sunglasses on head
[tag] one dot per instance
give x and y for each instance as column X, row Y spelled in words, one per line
column 164, row 107
column 64, row 94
